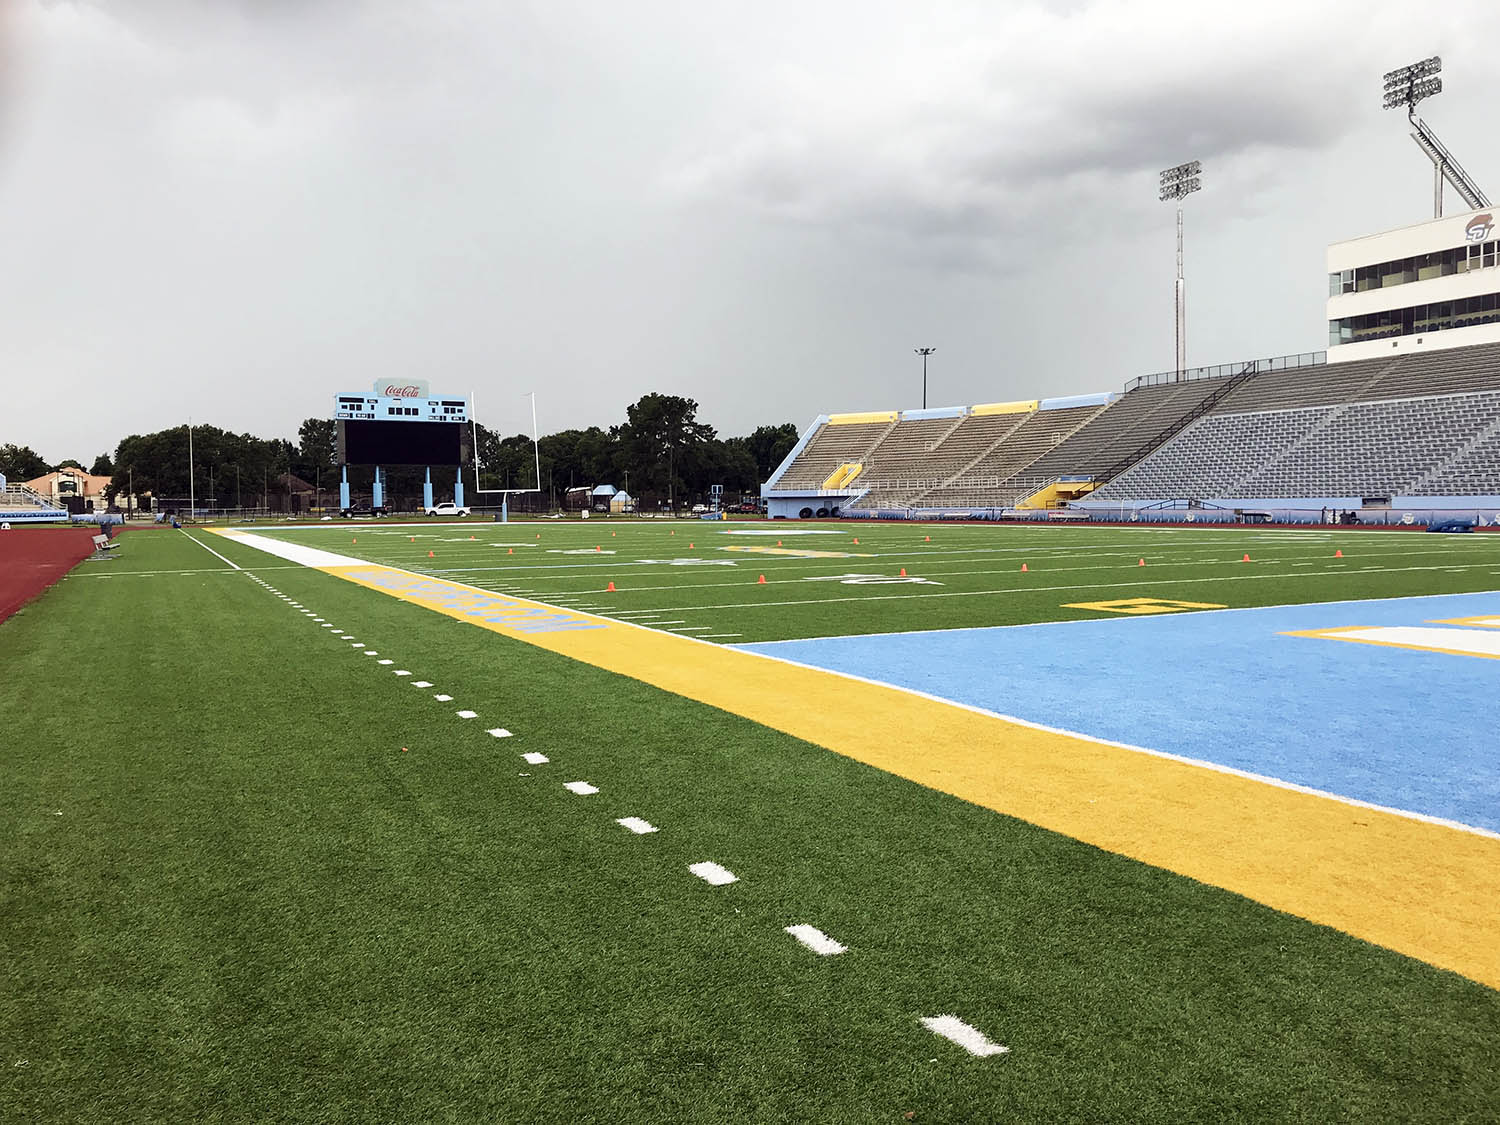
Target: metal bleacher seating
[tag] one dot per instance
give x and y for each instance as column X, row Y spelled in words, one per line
column 1132, row 424
column 1381, row 448
column 833, row 445
column 985, row 481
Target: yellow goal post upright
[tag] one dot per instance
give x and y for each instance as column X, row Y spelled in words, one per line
column 504, row 493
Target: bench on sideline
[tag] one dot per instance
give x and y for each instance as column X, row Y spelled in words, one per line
column 103, row 544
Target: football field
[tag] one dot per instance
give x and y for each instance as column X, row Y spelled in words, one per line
column 587, row 822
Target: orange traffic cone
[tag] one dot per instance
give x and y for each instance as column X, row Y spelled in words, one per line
column 1245, row 559
column 926, row 539
column 761, row 581
column 1023, row 568
column 674, row 533
column 856, row 540
column 510, row 550
column 471, row 537
column 690, row 546
column 610, row 589
column 778, row 542
column 1142, row 562
column 430, row 555
column 413, row 538
column 611, row 534
column 903, row 572
column 354, row 540
column 597, row 547
column 1338, row 554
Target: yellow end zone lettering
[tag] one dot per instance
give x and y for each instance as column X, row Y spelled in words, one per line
column 1143, row 605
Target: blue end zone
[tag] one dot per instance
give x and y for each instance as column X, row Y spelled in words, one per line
column 1398, row 727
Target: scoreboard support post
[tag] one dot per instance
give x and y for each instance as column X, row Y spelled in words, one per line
column 427, row 492
column 344, row 489
column 378, row 498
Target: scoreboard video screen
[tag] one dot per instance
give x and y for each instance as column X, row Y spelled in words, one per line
column 402, row 443
column 401, row 423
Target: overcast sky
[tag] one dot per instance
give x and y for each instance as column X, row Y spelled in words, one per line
column 235, row 208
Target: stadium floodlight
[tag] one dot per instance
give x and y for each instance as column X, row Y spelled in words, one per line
column 1177, row 184
column 924, row 353
column 1408, row 85
column 1404, row 88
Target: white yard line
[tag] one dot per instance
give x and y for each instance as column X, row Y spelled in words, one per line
column 498, row 732
column 711, row 872
column 637, row 825
column 816, row 940
column 971, row 1039
column 582, row 788
column 214, row 553
column 535, row 759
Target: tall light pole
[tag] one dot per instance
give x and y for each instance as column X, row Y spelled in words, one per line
column 924, row 353
column 1177, row 184
column 192, row 494
column 1404, row 88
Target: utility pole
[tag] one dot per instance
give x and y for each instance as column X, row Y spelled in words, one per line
column 924, row 353
column 192, row 495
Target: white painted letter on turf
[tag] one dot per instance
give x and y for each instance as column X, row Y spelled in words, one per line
column 637, row 825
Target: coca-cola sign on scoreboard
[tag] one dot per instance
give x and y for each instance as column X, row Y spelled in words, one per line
column 407, row 388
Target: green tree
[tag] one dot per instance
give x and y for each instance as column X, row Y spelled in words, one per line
column 316, row 447
column 103, row 466
column 769, row 445
column 68, row 464
column 21, row 463
column 660, row 437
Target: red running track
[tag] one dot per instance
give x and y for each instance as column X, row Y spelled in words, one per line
column 31, row 559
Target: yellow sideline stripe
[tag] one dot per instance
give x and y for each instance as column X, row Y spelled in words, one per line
column 1426, row 890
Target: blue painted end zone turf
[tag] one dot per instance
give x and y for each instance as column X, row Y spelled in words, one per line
column 1398, row 727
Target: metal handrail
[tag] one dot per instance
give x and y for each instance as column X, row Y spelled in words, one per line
column 1218, row 371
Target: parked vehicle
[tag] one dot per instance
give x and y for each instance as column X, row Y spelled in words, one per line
column 361, row 510
column 447, row 508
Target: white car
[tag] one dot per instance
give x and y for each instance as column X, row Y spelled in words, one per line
column 447, row 508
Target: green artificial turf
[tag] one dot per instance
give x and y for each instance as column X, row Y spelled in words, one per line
column 229, row 893
column 974, row 571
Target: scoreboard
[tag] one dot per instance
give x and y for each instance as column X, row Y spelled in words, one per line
column 401, row 424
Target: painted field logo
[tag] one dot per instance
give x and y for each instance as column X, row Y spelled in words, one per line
column 1479, row 227
column 1454, row 636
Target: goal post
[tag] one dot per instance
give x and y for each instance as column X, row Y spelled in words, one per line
column 536, row 454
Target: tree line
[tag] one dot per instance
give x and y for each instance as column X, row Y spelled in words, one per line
column 660, row 454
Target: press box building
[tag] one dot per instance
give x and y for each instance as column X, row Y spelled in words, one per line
column 1432, row 285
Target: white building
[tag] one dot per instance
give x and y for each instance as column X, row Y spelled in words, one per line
column 1419, row 288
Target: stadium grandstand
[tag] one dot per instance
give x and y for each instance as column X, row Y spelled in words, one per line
column 21, row 504
column 1404, row 413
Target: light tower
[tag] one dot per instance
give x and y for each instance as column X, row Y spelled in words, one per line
column 1404, row 88
column 1177, row 184
column 924, row 353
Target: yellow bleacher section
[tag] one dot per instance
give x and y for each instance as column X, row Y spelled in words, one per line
column 1018, row 407
column 858, row 419
column 843, row 474
column 1051, row 495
